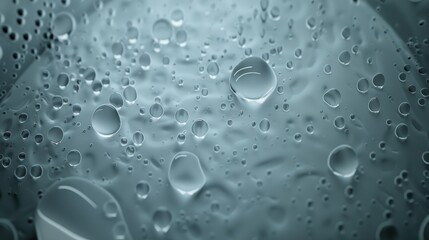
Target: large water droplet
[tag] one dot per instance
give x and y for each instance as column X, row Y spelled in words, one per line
column 185, row 173
column 106, row 120
column 73, row 209
column 253, row 80
column 332, row 97
column 343, row 161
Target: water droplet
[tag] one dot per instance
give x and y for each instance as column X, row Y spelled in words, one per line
column 177, row 17
column 332, row 97
column 345, row 33
column 181, row 116
column 200, row 128
column 374, row 105
column 339, row 122
column 62, row 80
column 344, row 57
column 162, row 31
column 156, row 110
column 116, row 100
column 387, row 232
column 425, row 157
column 144, row 61
column 401, row 131
column 63, row 25
column 362, row 85
column 253, row 80
column 74, row 208
column 36, row 171
column 55, row 135
column 73, row 158
column 181, row 37
column 110, row 209
column 185, row 173
column 20, row 172
column 424, row 229
column 213, row 69
column 138, row 138
column 117, row 49
column 404, row 108
column 264, row 125
column 142, row 189
column 162, row 219
column 106, row 121
column 343, row 161
column 378, row 80
column 130, row 94
column 7, row 229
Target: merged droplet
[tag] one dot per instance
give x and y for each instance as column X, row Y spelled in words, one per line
column 185, row 173
column 74, row 208
column 343, row 161
column 253, row 80
column 106, row 121
column 332, row 97
column 200, row 128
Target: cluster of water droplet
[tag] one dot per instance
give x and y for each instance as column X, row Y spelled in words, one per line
column 229, row 120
